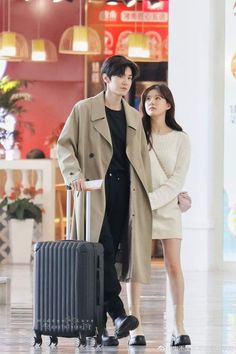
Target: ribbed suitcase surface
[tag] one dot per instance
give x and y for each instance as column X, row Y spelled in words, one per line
column 68, row 293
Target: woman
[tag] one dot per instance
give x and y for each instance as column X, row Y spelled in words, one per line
column 169, row 151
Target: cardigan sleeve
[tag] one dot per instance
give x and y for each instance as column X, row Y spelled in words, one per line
column 67, row 147
column 174, row 184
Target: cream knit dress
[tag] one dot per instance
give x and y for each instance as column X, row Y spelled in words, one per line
column 173, row 151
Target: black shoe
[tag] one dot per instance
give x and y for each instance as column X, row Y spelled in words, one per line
column 109, row 341
column 124, row 324
column 137, row 340
column 182, row 340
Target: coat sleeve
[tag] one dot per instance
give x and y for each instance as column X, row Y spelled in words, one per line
column 174, row 184
column 67, row 147
column 146, row 159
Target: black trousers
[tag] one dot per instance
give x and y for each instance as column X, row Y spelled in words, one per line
column 117, row 188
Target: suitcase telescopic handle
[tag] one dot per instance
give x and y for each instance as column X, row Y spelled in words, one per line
column 88, row 216
column 68, row 211
column 88, row 209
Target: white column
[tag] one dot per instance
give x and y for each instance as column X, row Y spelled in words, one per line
column 196, row 78
column 39, row 185
column 25, row 178
column 9, row 182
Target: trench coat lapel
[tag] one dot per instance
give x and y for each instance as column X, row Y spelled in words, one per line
column 131, row 132
column 131, row 124
column 131, row 141
column 99, row 117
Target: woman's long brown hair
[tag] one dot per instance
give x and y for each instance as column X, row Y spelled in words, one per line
column 164, row 92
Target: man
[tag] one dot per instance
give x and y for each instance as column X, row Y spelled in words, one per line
column 103, row 138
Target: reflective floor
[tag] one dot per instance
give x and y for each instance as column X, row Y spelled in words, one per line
column 210, row 315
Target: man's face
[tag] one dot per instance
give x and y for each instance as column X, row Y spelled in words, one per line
column 119, row 85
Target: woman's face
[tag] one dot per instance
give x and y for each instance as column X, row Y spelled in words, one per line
column 155, row 104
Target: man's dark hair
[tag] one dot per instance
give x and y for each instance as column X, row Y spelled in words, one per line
column 116, row 65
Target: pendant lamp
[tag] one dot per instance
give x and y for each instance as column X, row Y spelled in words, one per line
column 129, row 3
column 80, row 39
column 156, row 4
column 112, row 2
column 13, row 45
column 42, row 50
column 138, row 42
column 138, row 45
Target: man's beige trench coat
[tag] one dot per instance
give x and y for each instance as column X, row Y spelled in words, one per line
column 85, row 149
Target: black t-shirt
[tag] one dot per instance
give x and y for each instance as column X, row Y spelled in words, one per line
column 117, row 124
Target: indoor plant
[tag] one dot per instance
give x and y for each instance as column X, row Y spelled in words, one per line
column 11, row 99
column 20, row 205
column 11, row 96
column 21, row 212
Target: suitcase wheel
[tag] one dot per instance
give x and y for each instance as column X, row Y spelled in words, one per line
column 91, row 342
column 38, row 340
column 53, row 340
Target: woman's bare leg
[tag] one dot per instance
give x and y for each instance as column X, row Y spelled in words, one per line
column 171, row 249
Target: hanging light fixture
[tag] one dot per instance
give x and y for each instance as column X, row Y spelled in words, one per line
column 138, row 42
column 13, row 45
column 112, row 2
column 138, row 45
column 129, row 3
column 42, row 50
column 156, row 4
column 80, row 39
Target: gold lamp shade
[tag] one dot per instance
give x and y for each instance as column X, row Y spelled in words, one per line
column 13, row 46
column 43, row 50
column 80, row 40
column 138, row 46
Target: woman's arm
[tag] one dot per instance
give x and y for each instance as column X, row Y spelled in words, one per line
column 146, row 159
column 174, row 184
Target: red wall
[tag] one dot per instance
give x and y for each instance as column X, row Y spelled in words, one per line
column 55, row 86
column 51, row 103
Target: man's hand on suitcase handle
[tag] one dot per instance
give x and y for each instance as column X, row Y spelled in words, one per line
column 78, row 185
column 81, row 185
